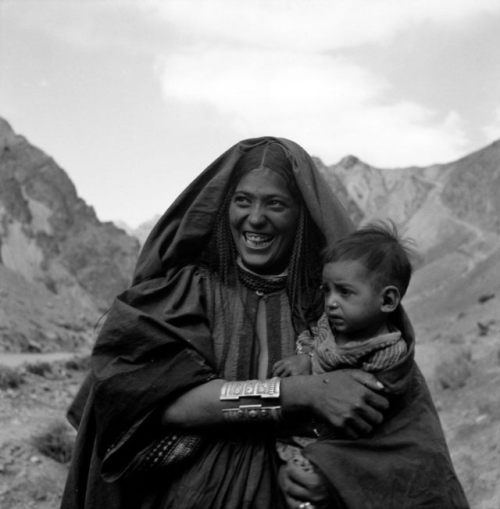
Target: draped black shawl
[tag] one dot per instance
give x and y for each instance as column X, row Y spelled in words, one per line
column 155, row 343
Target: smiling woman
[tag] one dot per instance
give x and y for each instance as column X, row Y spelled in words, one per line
column 227, row 279
column 181, row 409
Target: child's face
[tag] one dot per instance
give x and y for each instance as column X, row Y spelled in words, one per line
column 352, row 303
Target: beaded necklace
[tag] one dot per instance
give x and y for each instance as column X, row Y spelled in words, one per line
column 261, row 285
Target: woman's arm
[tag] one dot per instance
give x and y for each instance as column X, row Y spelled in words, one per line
column 198, row 407
column 348, row 399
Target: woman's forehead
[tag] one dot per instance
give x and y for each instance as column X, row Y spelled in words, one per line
column 263, row 179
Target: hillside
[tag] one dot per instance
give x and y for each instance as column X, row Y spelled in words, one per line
column 55, row 255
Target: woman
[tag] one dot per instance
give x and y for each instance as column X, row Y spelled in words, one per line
column 227, row 279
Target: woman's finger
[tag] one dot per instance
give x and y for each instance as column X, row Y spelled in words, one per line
column 367, row 379
column 377, row 401
column 348, row 403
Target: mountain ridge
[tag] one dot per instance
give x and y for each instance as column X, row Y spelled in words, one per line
column 52, row 238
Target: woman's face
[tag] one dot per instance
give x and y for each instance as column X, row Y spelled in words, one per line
column 263, row 217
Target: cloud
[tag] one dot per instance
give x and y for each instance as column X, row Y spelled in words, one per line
column 91, row 25
column 304, row 25
column 314, row 25
column 282, row 67
column 279, row 66
column 324, row 102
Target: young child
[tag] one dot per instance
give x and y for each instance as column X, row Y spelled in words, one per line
column 405, row 461
column 365, row 276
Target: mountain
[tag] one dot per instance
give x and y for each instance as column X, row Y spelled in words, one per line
column 433, row 204
column 142, row 231
column 53, row 246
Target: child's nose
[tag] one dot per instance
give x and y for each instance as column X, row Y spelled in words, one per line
column 331, row 300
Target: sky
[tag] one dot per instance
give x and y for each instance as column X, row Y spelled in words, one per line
column 134, row 98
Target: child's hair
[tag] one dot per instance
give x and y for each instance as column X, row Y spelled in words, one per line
column 380, row 249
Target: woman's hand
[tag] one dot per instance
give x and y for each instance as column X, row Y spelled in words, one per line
column 349, row 400
column 292, row 366
column 300, row 484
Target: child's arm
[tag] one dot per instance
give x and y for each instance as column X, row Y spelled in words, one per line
column 299, row 364
column 294, row 365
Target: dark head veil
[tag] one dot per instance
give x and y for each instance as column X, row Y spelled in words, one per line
column 184, row 229
column 182, row 235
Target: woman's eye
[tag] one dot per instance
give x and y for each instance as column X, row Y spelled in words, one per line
column 277, row 204
column 240, row 200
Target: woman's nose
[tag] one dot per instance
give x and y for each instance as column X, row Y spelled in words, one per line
column 256, row 215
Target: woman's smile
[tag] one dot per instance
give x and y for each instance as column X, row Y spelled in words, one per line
column 258, row 240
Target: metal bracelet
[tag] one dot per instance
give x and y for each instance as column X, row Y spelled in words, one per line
column 265, row 389
column 252, row 413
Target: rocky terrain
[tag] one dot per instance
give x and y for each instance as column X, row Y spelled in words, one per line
column 60, row 267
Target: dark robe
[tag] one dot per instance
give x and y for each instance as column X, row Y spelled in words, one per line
column 174, row 329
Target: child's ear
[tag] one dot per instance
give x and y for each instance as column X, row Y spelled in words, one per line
column 390, row 299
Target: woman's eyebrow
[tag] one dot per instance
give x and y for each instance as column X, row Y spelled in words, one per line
column 281, row 196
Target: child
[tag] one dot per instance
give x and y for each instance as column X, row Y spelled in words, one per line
column 405, row 461
column 365, row 276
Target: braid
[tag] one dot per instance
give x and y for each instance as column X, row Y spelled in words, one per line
column 295, row 260
column 305, row 272
column 220, row 254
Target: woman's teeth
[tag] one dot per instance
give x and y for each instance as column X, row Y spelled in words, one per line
column 257, row 241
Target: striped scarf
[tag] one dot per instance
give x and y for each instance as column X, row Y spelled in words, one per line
column 375, row 354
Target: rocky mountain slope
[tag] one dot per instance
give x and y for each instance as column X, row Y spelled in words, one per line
column 56, row 257
column 439, row 206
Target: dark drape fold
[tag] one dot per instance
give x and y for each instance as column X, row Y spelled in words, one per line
column 181, row 233
column 403, row 464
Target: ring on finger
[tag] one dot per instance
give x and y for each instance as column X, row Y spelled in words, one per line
column 306, row 505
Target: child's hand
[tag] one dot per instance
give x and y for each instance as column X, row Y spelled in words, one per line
column 301, row 483
column 293, row 365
